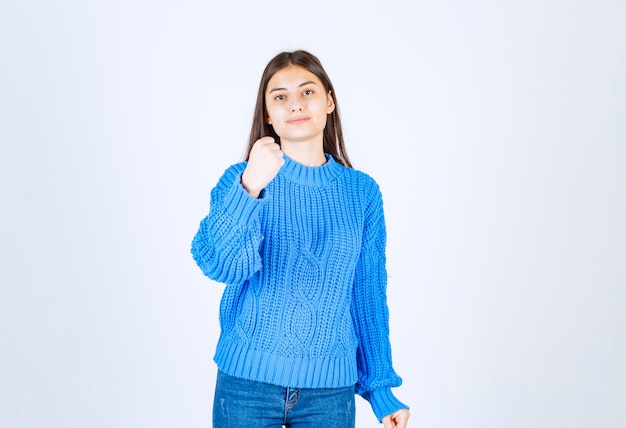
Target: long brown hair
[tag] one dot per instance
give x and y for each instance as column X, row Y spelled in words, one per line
column 333, row 134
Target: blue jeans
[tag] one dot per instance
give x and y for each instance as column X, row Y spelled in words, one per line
column 241, row 403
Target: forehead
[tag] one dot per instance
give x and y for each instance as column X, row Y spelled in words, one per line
column 291, row 77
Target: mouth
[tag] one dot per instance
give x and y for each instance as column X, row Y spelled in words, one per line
column 297, row 120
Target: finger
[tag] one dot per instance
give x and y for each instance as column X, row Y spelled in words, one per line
column 266, row 139
column 270, row 146
column 402, row 419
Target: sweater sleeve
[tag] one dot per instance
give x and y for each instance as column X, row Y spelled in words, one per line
column 370, row 315
column 226, row 246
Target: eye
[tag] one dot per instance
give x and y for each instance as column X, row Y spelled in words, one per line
column 279, row 97
column 308, row 92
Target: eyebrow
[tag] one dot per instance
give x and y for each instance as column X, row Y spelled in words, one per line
column 299, row 86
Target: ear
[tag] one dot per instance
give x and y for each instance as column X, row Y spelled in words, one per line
column 331, row 103
column 269, row 121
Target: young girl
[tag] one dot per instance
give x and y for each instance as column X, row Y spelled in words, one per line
column 298, row 237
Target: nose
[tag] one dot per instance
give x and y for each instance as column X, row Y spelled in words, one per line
column 296, row 105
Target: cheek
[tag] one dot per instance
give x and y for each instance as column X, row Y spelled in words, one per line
column 273, row 112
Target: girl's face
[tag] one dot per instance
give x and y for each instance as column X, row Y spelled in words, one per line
column 297, row 105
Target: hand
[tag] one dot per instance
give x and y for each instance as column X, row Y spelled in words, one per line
column 397, row 419
column 264, row 162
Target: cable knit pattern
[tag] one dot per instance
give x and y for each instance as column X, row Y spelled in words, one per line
column 305, row 302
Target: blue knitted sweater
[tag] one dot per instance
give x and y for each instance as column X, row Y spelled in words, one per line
column 305, row 301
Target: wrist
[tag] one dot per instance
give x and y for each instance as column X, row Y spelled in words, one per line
column 253, row 191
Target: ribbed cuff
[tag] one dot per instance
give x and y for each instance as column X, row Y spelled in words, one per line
column 240, row 205
column 384, row 402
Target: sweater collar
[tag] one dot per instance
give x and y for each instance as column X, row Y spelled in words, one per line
column 311, row 175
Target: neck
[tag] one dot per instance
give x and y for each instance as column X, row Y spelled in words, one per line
column 309, row 154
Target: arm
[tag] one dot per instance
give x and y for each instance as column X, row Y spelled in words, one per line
column 226, row 246
column 371, row 315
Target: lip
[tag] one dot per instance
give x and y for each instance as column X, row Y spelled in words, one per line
column 298, row 119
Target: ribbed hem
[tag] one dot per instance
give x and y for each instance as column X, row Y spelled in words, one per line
column 384, row 402
column 311, row 175
column 239, row 204
column 239, row 361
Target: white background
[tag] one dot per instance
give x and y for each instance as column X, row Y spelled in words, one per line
column 496, row 130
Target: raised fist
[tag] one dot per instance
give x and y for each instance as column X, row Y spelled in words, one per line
column 264, row 162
